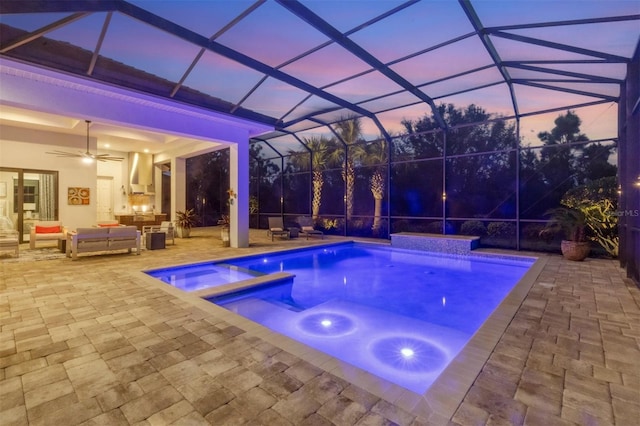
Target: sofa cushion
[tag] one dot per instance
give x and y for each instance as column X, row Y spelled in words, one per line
column 126, row 232
column 91, row 234
column 48, row 229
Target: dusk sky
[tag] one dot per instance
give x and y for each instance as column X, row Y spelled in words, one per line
column 273, row 35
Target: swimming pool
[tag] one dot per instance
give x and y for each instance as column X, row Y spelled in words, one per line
column 402, row 315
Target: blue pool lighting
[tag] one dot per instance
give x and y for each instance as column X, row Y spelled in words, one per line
column 393, row 320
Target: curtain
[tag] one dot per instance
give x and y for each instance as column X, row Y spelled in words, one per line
column 48, row 196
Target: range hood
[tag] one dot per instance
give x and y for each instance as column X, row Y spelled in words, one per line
column 140, row 173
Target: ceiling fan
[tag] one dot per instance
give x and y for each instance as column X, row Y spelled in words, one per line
column 87, row 156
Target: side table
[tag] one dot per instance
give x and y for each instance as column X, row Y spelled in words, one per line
column 62, row 244
column 155, row 240
column 293, row 232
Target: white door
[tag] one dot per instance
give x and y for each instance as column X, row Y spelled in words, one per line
column 105, row 198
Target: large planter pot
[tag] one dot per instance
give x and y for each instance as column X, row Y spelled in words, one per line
column 574, row 250
column 225, row 237
column 183, row 232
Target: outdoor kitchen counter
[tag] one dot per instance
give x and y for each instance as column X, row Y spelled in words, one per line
column 141, row 220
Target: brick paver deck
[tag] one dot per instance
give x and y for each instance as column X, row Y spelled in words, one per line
column 93, row 342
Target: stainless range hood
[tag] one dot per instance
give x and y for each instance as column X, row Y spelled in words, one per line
column 140, row 173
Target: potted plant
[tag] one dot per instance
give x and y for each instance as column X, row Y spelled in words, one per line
column 572, row 224
column 185, row 220
column 225, row 235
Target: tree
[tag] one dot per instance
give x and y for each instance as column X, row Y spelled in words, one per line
column 559, row 154
column 349, row 129
column 322, row 151
column 207, row 179
column 264, row 179
column 481, row 185
column 594, row 164
column 376, row 156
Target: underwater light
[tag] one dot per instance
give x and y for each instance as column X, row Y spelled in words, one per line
column 407, row 352
column 326, row 324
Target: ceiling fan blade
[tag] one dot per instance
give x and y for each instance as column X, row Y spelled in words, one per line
column 64, row 154
column 103, row 157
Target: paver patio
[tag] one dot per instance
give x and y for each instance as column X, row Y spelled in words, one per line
column 91, row 342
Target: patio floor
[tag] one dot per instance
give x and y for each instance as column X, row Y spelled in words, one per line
column 96, row 342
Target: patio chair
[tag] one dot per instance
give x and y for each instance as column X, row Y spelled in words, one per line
column 47, row 230
column 307, row 229
column 166, row 227
column 9, row 241
column 276, row 228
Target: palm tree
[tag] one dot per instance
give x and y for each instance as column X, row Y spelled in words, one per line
column 377, row 157
column 321, row 157
column 350, row 131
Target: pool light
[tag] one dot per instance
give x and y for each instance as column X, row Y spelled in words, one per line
column 407, row 352
column 326, row 324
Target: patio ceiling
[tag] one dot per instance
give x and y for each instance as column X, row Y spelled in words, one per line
column 300, row 66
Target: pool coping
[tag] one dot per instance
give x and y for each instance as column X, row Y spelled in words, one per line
column 440, row 401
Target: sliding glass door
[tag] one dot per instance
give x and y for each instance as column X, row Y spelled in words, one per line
column 26, row 197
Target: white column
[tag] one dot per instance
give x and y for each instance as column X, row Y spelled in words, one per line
column 157, row 189
column 178, row 186
column 239, row 182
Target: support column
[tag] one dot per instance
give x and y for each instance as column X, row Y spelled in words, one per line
column 239, row 183
column 178, row 186
column 157, row 189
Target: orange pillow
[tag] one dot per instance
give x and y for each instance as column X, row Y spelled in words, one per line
column 48, row 229
column 108, row 225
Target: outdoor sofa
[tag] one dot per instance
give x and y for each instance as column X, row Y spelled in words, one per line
column 86, row 240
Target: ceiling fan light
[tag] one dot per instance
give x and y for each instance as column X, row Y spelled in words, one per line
column 87, row 157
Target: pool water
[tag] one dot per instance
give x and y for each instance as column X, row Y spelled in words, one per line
column 402, row 315
column 201, row 276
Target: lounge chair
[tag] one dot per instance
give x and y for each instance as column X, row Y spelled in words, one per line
column 307, row 229
column 276, row 228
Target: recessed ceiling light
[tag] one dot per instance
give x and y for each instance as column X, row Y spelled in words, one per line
column 146, row 150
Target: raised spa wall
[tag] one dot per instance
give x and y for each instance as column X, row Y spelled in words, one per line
column 449, row 244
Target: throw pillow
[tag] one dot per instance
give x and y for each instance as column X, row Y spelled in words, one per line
column 308, row 228
column 47, row 229
column 276, row 229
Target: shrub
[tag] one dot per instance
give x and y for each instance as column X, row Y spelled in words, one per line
column 434, row 228
column 473, row 227
column 501, row 229
column 598, row 201
column 402, row 225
